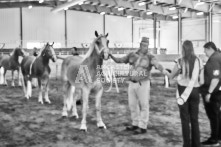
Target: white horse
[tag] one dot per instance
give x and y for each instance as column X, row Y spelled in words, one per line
column 84, row 73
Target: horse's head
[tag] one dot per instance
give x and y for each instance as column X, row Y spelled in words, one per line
column 101, row 45
column 19, row 52
column 49, row 52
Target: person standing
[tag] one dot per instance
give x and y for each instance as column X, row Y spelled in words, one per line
column 141, row 63
column 188, row 69
column 211, row 93
column 74, row 51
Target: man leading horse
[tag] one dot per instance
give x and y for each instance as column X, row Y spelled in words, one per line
column 141, row 63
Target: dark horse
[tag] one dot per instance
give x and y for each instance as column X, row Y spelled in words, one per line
column 38, row 68
column 11, row 62
column 84, row 73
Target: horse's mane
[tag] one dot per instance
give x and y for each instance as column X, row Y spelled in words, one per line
column 91, row 48
column 41, row 50
column 13, row 52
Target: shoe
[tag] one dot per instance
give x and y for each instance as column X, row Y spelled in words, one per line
column 210, row 142
column 131, row 128
column 140, row 131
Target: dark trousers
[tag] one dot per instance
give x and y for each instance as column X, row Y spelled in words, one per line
column 189, row 117
column 213, row 112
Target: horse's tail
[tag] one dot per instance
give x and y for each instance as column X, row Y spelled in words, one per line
column 1, row 74
column 60, row 57
column 23, row 84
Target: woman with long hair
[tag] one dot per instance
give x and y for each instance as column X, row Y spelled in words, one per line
column 187, row 69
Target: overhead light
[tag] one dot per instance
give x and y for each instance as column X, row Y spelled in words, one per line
column 129, row 16
column 120, row 8
column 65, row 5
column 200, row 3
column 199, row 13
column 66, row 8
column 149, row 13
column 172, row 8
column 186, row 9
column 102, row 13
column 141, row 3
column 80, row 3
column 41, row 1
column 30, row 6
column 175, row 17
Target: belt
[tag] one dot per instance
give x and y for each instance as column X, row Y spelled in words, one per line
column 133, row 81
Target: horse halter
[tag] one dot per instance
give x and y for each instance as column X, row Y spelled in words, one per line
column 97, row 48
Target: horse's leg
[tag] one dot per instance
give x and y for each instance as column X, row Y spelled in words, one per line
column 24, row 83
column 66, row 86
column 85, row 96
column 13, row 79
column 46, row 88
column 1, row 75
column 40, row 100
column 98, row 96
column 29, row 88
column 5, row 81
column 19, row 78
column 72, row 94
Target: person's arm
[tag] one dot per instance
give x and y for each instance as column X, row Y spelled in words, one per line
column 215, row 80
column 194, row 78
column 174, row 72
column 124, row 59
column 158, row 66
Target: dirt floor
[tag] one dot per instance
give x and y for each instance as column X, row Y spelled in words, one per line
column 26, row 123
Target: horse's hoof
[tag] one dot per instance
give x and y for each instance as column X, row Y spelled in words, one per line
column 83, row 128
column 48, row 102
column 64, row 114
column 41, row 102
column 102, row 127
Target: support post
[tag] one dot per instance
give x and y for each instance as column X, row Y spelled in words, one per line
column 179, row 32
column 21, row 30
column 65, row 29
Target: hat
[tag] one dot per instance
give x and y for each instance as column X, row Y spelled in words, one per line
column 145, row 40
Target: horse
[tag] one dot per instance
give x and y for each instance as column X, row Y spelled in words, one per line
column 11, row 62
column 84, row 73
column 38, row 67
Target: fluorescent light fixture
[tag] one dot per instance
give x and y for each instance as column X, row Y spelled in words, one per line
column 175, row 17
column 41, row 1
column 149, row 13
column 200, row 3
column 65, row 5
column 172, row 8
column 141, row 3
column 186, row 9
column 129, row 16
column 102, row 13
column 80, row 3
column 30, row 6
column 120, row 9
column 199, row 13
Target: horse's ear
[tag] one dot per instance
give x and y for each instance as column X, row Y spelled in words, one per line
column 96, row 34
column 52, row 44
column 106, row 35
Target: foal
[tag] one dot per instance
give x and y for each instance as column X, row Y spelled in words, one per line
column 83, row 73
column 38, row 68
column 10, row 62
